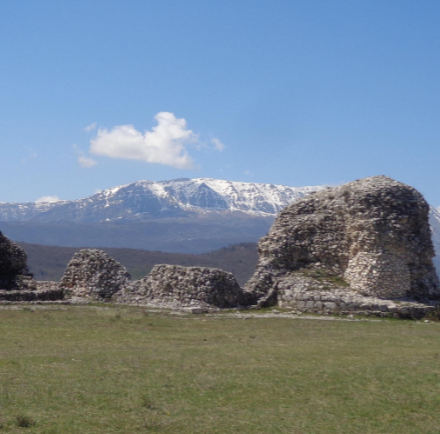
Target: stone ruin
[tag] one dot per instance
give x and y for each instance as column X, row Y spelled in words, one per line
column 94, row 275
column 350, row 247
column 173, row 286
column 363, row 247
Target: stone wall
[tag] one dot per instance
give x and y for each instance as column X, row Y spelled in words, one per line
column 52, row 294
column 92, row 274
column 369, row 237
column 174, row 286
column 305, row 295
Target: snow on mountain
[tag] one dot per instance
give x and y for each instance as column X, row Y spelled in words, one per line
column 25, row 211
column 434, row 220
column 206, row 194
column 216, row 200
column 146, row 200
column 176, row 198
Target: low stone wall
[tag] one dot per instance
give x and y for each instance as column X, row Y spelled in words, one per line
column 43, row 285
column 312, row 291
column 341, row 302
column 173, row 286
column 53, row 294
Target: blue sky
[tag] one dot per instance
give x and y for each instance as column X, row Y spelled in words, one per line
column 287, row 92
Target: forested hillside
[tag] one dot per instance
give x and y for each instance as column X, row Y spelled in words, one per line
column 49, row 262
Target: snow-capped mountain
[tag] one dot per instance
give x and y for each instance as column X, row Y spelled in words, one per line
column 181, row 215
column 434, row 220
column 145, row 200
column 24, row 211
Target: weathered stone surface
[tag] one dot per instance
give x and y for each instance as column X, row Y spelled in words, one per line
column 174, row 286
column 92, row 274
column 52, row 294
column 370, row 237
column 342, row 301
column 14, row 273
column 47, row 285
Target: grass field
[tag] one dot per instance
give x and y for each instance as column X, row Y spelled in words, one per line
column 122, row 370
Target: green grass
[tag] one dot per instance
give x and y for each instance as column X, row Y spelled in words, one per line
column 112, row 370
column 323, row 277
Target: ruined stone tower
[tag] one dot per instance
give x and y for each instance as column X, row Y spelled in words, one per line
column 370, row 237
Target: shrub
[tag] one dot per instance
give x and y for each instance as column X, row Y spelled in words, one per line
column 24, row 421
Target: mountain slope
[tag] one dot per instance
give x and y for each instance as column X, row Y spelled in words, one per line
column 50, row 262
column 184, row 235
column 181, row 215
column 146, row 200
column 434, row 220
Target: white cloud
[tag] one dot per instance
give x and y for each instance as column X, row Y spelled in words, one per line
column 48, row 199
column 90, row 127
column 218, row 145
column 165, row 144
column 86, row 161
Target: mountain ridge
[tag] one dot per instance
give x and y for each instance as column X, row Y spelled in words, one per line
column 145, row 200
column 181, row 215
